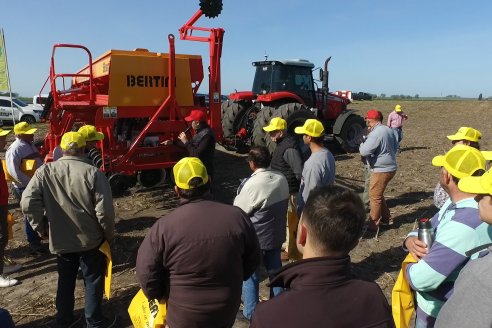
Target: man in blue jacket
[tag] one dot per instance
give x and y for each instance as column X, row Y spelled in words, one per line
column 379, row 150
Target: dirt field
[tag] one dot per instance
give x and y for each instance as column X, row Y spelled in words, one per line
column 409, row 196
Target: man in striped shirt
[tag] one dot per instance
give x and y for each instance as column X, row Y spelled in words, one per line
column 457, row 227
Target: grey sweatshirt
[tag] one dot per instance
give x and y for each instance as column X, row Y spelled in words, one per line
column 319, row 170
column 379, row 149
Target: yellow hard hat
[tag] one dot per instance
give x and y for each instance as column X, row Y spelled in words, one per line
column 72, row 140
column 311, row 127
column 90, row 133
column 487, row 154
column 276, row 124
column 397, row 108
column 461, row 161
column 477, row 185
column 23, row 128
column 466, row 133
column 4, row 132
column 188, row 168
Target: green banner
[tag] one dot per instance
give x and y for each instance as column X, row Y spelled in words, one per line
column 4, row 81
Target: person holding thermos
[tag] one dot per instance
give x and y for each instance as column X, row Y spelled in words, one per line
column 426, row 232
column 457, row 228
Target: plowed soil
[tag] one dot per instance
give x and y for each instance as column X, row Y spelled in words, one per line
column 409, row 196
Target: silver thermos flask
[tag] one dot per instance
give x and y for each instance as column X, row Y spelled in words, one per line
column 425, row 232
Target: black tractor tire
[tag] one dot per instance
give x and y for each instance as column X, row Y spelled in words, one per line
column 350, row 134
column 29, row 119
column 263, row 118
column 232, row 112
column 294, row 113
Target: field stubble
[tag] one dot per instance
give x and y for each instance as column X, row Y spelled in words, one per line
column 409, row 196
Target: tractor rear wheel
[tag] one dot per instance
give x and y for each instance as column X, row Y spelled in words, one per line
column 294, row 113
column 350, row 134
column 232, row 113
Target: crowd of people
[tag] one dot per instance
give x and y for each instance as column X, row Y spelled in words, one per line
column 205, row 258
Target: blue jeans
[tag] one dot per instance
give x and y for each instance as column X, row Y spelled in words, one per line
column 398, row 135
column 32, row 237
column 93, row 265
column 251, row 287
column 6, row 319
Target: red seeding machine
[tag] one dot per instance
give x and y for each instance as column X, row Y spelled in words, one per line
column 137, row 99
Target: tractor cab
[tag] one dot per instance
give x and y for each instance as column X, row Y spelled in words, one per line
column 293, row 76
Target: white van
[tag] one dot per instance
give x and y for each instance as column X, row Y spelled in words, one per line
column 22, row 111
column 39, row 100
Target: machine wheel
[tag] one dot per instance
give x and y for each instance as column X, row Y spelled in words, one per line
column 294, row 113
column 211, row 8
column 29, row 119
column 351, row 130
column 121, row 182
column 232, row 113
column 151, row 178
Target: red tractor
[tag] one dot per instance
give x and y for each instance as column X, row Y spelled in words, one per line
column 287, row 89
column 137, row 99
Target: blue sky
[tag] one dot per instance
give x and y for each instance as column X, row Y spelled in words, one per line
column 430, row 48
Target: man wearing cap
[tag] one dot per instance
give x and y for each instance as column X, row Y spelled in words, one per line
column 470, row 304
column 464, row 136
column 457, row 228
column 395, row 121
column 5, row 281
column 286, row 159
column 76, row 198
column 21, row 149
column 196, row 257
column 91, row 135
column 319, row 169
column 320, row 289
column 264, row 197
column 379, row 151
column 202, row 144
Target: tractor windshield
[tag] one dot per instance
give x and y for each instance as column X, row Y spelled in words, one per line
column 275, row 78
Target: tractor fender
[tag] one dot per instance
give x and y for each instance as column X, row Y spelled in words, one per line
column 242, row 95
column 276, row 96
column 337, row 128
